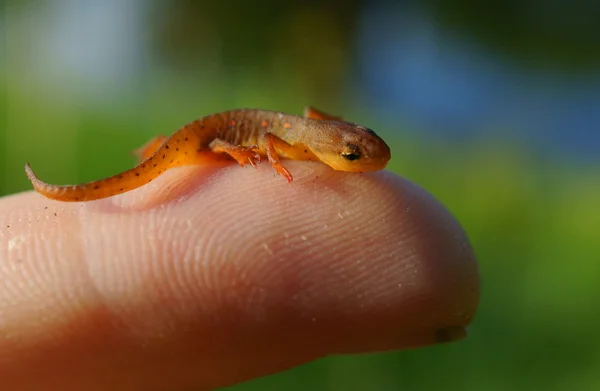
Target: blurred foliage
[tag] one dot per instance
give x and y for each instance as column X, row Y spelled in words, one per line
column 534, row 221
column 554, row 34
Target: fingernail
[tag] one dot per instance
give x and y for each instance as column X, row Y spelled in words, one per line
column 449, row 334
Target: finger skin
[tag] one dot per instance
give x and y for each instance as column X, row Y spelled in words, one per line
column 205, row 278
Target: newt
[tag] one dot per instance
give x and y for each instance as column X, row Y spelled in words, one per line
column 246, row 136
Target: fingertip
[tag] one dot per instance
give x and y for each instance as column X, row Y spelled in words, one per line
column 242, row 274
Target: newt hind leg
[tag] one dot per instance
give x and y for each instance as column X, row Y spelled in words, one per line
column 148, row 149
column 243, row 155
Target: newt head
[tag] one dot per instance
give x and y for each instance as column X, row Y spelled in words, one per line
column 345, row 146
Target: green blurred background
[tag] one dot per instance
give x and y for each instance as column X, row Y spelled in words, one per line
column 494, row 109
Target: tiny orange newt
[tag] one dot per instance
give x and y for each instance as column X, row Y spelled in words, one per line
column 245, row 135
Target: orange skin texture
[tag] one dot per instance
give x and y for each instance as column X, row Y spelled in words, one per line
column 246, row 136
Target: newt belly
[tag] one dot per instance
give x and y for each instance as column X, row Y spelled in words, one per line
column 246, row 136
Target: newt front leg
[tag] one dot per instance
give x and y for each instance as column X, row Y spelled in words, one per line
column 314, row 113
column 272, row 144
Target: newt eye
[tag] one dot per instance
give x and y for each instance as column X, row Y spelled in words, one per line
column 351, row 152
column 351, row 156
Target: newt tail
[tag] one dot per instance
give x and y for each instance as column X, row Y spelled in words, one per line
column 175, row 151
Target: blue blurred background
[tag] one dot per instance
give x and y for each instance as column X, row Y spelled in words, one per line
column 495, row 109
